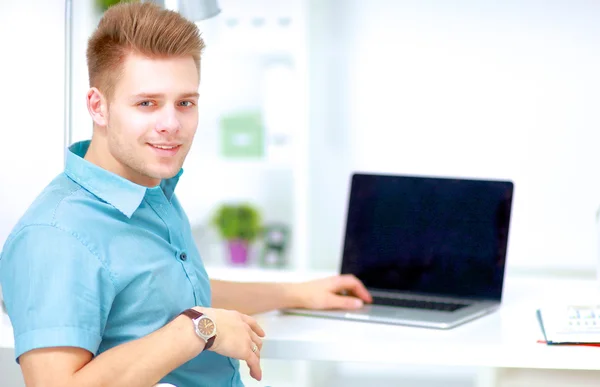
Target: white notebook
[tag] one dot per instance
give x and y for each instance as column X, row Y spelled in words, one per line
column 571, row 324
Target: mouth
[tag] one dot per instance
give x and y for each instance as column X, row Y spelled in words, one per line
column 165, row 149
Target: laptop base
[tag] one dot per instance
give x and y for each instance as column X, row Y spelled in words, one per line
column 403, row 316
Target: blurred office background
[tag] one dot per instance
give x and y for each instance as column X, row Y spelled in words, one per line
column 298, row 94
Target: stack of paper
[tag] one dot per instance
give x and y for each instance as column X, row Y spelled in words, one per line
column 574, row 325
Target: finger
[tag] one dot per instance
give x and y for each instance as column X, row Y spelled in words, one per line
column 255, row 370
column 252, row 345
column 254, row 325
column 350, row 283
column 334, row 301
column 257, row 340
column 253, row 361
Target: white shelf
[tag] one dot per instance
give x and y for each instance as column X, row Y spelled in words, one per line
column 256, row 52
column 257, row 274
column 251, row 165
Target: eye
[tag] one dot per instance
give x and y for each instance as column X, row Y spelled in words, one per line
column 145, row 103
column 186, row 103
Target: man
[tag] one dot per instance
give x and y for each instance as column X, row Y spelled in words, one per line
column 101, row 278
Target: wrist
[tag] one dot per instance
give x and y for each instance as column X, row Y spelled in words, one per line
column 204, row 323
column 188, row 340
column 293, row 295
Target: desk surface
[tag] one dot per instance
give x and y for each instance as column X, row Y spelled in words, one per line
column 506, row 338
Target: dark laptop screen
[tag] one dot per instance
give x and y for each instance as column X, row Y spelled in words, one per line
column 428, row 235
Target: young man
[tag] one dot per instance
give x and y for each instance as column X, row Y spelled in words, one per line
column 101, row 278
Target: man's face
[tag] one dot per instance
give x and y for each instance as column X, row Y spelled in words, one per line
column 152, row 117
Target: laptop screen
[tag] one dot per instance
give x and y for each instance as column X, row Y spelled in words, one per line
column 426, row 235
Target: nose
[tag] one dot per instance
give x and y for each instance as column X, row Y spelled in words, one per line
column 168, row 121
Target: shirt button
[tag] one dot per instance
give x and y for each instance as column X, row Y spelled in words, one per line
column 183, row 256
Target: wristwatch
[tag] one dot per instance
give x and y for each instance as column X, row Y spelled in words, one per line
column 203, row 325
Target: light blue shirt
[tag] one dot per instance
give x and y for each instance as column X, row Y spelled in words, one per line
column 97, row 261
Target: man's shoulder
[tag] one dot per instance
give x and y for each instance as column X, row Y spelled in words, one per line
column 62, row 203
column 44, row 208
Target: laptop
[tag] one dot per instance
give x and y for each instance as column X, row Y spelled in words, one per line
column 431, row 250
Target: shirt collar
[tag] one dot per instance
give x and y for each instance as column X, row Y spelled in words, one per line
column 125, row 195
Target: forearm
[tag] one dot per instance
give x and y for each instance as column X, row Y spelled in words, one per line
column 145, row 361
column 253, row 298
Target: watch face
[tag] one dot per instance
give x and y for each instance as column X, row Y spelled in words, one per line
column 206, row 327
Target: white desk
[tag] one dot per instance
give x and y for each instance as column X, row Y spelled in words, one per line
column 506, row 338
column 503, row 340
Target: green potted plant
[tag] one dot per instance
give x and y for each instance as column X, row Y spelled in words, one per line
column 239, row 225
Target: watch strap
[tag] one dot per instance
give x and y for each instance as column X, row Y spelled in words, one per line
column 194, row 314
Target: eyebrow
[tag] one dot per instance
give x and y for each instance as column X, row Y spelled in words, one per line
column 157, row 95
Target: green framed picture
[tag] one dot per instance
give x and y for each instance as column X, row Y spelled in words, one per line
column 242, row 135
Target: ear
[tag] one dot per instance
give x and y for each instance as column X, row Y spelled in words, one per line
column 97, row 106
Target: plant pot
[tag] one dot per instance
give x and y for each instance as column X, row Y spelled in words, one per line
column 238, row 251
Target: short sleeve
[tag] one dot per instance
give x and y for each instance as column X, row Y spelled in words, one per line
column 56, row 291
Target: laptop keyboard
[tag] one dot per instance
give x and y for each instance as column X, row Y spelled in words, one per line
column 418, row 304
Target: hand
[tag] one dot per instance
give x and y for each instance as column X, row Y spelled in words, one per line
column 337, row 292
column 237, row 334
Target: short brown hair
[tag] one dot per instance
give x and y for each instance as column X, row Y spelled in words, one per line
column 142, row 28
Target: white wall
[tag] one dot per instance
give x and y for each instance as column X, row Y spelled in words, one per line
column 84, row 20
column 330, row 35
column 31, row 103
column 31, row 107
column 484, row 89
